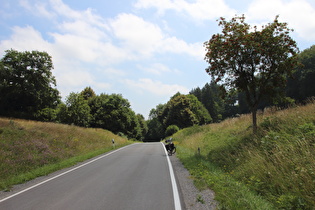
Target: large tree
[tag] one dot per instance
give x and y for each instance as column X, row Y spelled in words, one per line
column 156, row 130
column 113, row 112
column 75, row 111
column 27, row 85
column 184, row 111
column 256, row 62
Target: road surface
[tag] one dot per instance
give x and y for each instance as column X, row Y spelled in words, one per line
column 138, row 176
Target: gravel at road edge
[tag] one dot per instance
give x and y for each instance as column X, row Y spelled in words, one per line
column 193, row 198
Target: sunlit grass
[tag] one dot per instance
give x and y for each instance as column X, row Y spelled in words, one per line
column 30, row 148
column 275, row 167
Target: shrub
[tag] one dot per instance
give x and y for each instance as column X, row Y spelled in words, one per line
column 170, row 130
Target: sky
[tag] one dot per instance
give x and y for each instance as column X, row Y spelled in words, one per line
column 145, row 50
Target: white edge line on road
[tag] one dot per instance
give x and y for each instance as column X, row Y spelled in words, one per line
column 47, row 180
column 174, row 185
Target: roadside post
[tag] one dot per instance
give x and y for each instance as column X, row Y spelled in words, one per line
column 113, row 142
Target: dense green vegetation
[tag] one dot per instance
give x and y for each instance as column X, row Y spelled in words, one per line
column 254, row 61
column 222, row 103
column 27, row 90
column 113, row 112
column 27, row 86
column 273, row 169
column 29, row 148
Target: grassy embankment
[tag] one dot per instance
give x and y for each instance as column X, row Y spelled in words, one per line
column 29, row 149
column 274, row 169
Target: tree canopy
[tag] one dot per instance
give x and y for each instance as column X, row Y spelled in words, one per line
column 184, row 111
column 27, row 85
column 256, row 62
column 302, row 85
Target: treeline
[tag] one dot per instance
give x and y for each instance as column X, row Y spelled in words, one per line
column 28, row 90
column 111, row 112
column 216, row 103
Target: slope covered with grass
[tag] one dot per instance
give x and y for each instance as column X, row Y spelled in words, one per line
column 274, row 169
column 29, row 148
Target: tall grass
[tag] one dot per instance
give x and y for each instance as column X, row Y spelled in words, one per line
column 30, row 148
column 277, row 166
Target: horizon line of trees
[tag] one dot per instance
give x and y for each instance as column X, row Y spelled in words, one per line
column 221, row 103
column 28, row 90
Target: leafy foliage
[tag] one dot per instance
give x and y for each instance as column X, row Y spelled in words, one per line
column 110, row 112
column 184, row 111
column 156, row 129
column 76, row 111
column 27, row 85
column 88, row 93
column 181, row 111
column 143, row 125
column 301, row 86
column 210, row 97
column 170, row 130
column 254, row 62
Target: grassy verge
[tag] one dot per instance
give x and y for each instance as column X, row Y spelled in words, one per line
column 29, row 149
column 229, row 192
column 274, row 169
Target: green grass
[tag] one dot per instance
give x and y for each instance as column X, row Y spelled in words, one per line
column 274, row 169
column 29, row 149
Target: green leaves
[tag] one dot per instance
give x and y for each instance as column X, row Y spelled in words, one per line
column 252, row 61
column 27, row 85
column 184, row 111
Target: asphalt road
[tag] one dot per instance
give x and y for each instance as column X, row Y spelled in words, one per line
column 134, row 177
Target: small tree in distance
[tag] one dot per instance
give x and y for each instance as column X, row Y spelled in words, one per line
column 256, row 62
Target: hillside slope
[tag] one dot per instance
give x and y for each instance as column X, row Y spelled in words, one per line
column 29, row 148
column 274, row 169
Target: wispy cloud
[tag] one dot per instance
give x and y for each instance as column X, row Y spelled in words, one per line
column 198, row 9
column 155, row 87
column 156, row 69
column 298, row 13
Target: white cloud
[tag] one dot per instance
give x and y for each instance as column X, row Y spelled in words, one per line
column 83, row 28
column 75, row 78
column 155, row 68
column 145, row 38
column 113, row 73
column 297, row 13
column 155, row 87
column 88, row 37
column 197, row 9
column 174, row 45
column 24, row 37
column 90, row 50
column 137, row 34
column 64, row 10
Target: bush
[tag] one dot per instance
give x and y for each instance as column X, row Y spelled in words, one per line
column 170, row 130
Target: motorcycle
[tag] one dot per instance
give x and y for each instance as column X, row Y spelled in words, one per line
column 170, row 147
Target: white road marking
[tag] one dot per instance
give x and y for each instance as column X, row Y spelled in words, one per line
column 27, row 189
column 174, row 185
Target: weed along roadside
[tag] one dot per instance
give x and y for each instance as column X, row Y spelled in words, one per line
column 29, row 149
column 273, row 169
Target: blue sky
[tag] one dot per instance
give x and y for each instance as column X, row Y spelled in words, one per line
column 146, row 50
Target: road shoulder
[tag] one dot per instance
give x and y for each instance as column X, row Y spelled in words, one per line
column 193, row 199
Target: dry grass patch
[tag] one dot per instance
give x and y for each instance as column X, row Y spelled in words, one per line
column 28, row 145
